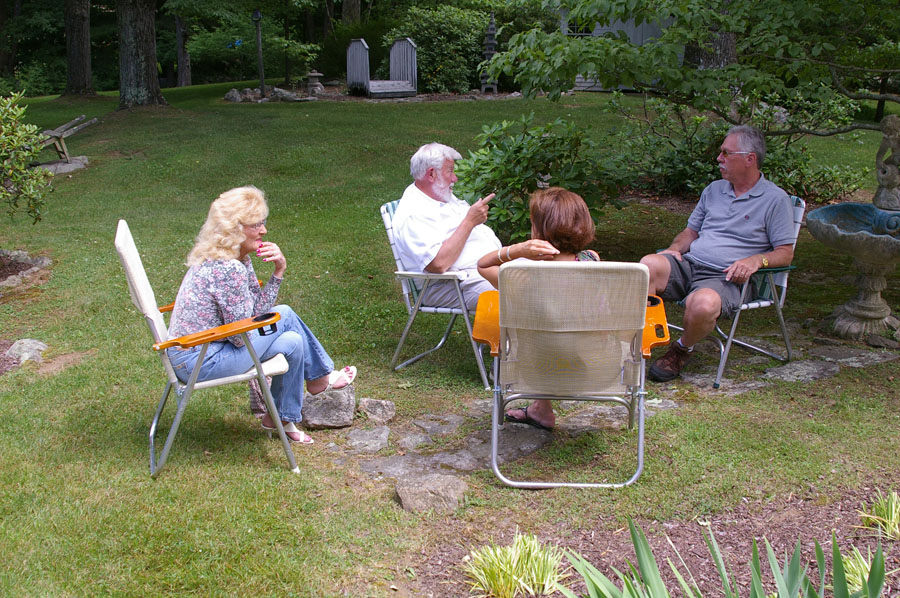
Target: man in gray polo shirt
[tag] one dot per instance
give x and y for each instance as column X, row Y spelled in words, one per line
column 742, row 223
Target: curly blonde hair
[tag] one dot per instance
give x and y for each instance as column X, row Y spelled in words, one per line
column 221, row 236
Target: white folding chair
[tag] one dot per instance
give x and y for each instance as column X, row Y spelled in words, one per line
column 143, row 298
column 413, row 286
column 771, row 290
column 573, row 331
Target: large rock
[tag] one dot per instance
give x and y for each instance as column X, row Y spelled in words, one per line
column 27, row 349
column 439, row 425
column 378, row 411
column 233, row 95
column 368, row 441
column 329, row 409
column 431, row 492
column 803, row 371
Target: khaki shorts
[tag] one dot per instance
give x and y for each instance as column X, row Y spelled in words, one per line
column 686, row 277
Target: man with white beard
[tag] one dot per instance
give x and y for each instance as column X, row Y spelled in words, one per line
column 435, row 231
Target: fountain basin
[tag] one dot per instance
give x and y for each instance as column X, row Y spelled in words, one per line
column 861, row 230
column 872, row 237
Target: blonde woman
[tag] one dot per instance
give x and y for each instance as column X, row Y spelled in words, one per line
column 221, row 287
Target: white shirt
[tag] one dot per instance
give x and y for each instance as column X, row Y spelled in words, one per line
column 422, row 224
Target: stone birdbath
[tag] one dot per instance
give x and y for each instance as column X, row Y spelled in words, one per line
column 870, row 233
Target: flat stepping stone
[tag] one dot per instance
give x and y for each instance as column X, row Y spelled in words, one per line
column 853, row 357
column 803, row 371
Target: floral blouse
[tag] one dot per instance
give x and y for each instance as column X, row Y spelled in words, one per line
column 218, row 292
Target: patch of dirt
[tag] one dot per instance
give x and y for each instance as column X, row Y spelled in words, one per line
column 674, row 203
column 10, row 267
column 50, row 367
column 782, row 521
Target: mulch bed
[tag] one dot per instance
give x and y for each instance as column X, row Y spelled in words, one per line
column 782, row 521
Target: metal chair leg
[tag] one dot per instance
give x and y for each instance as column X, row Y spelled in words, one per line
column 270, row 404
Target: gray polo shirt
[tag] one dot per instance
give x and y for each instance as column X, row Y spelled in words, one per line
column 732, row 228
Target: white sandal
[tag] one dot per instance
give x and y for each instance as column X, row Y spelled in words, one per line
column 348, row 373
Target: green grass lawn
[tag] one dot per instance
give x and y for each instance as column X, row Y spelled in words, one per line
column 79, row 514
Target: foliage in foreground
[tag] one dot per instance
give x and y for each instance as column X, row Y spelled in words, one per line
column 883, row 515
column 21, row 188
column 525, row 568
column 791, row 579
column 514, row 158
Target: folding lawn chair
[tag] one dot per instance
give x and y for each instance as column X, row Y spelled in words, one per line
column 771, row 290
column 573, row 331
column 143, row 298
column 413, row 286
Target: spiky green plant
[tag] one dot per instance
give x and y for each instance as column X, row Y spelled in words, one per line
column 526, row 567
column 883, row 515
column 791, row 578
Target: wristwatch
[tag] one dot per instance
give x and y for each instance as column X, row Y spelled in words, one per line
column 765, row 262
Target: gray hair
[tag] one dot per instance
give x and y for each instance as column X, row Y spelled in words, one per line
column 431, row 155
column 750, row 139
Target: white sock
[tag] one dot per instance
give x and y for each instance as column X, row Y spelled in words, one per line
column 681, row 344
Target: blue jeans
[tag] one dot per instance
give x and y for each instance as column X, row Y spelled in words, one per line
column 305, row 356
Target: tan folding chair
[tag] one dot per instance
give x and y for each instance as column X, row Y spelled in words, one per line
column 413, row 286
column 573, row 331
column 143, row 298
column 770, row 285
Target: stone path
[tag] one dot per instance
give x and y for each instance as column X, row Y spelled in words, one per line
column 430, row 479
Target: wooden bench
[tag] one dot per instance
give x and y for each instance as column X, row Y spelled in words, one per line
column 57, row 137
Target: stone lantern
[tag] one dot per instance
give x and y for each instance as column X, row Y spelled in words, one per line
column 490, row 48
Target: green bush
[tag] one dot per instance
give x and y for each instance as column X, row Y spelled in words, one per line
column 229, row 54
column 514, row 158
column 21, row 188
column 673, row 150
column 36, row 78
column 448, row 47
column 332, row 61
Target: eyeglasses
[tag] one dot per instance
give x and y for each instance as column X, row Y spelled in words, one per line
column 727, row 153
column 258, row 226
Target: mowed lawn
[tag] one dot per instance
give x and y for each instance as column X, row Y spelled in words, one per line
column 79, row 514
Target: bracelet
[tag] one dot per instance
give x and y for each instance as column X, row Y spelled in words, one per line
column 499, row 259
column 507, row 254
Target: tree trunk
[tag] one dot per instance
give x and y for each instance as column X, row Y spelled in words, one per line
column 78, row 48
column 138, row 77
column 722, row 53
column 8, row 46
column 287, row 37
column 350, row 12
column 184, row 58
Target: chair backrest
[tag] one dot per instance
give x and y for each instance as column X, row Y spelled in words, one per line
column 141, row 292
column 781, row 278
column 410, row 289
column 571, row 328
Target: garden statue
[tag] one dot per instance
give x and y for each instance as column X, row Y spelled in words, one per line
column 871, row 234
column 887, row 197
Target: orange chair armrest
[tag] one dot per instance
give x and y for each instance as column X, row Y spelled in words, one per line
column 486, row 328
column 170, row 306
column 656, row 327
column 219, row 332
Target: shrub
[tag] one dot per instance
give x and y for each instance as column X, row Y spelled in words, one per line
column 21, row 188
column 674, row 149
column 449, row 46
column 514, row 158
column 524, row 568
column 332, row 61
column 883, row 515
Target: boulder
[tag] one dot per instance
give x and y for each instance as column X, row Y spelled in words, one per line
column 329, row 409
column 27, row 349
column 431, row 492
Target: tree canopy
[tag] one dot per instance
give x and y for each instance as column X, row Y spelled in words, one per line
column 815, row 58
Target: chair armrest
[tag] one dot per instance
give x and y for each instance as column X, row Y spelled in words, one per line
column 656, row 328
column 774, row 270
column 449, row 275
column 219, row 332
column 170, row 306
column 486, row 327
